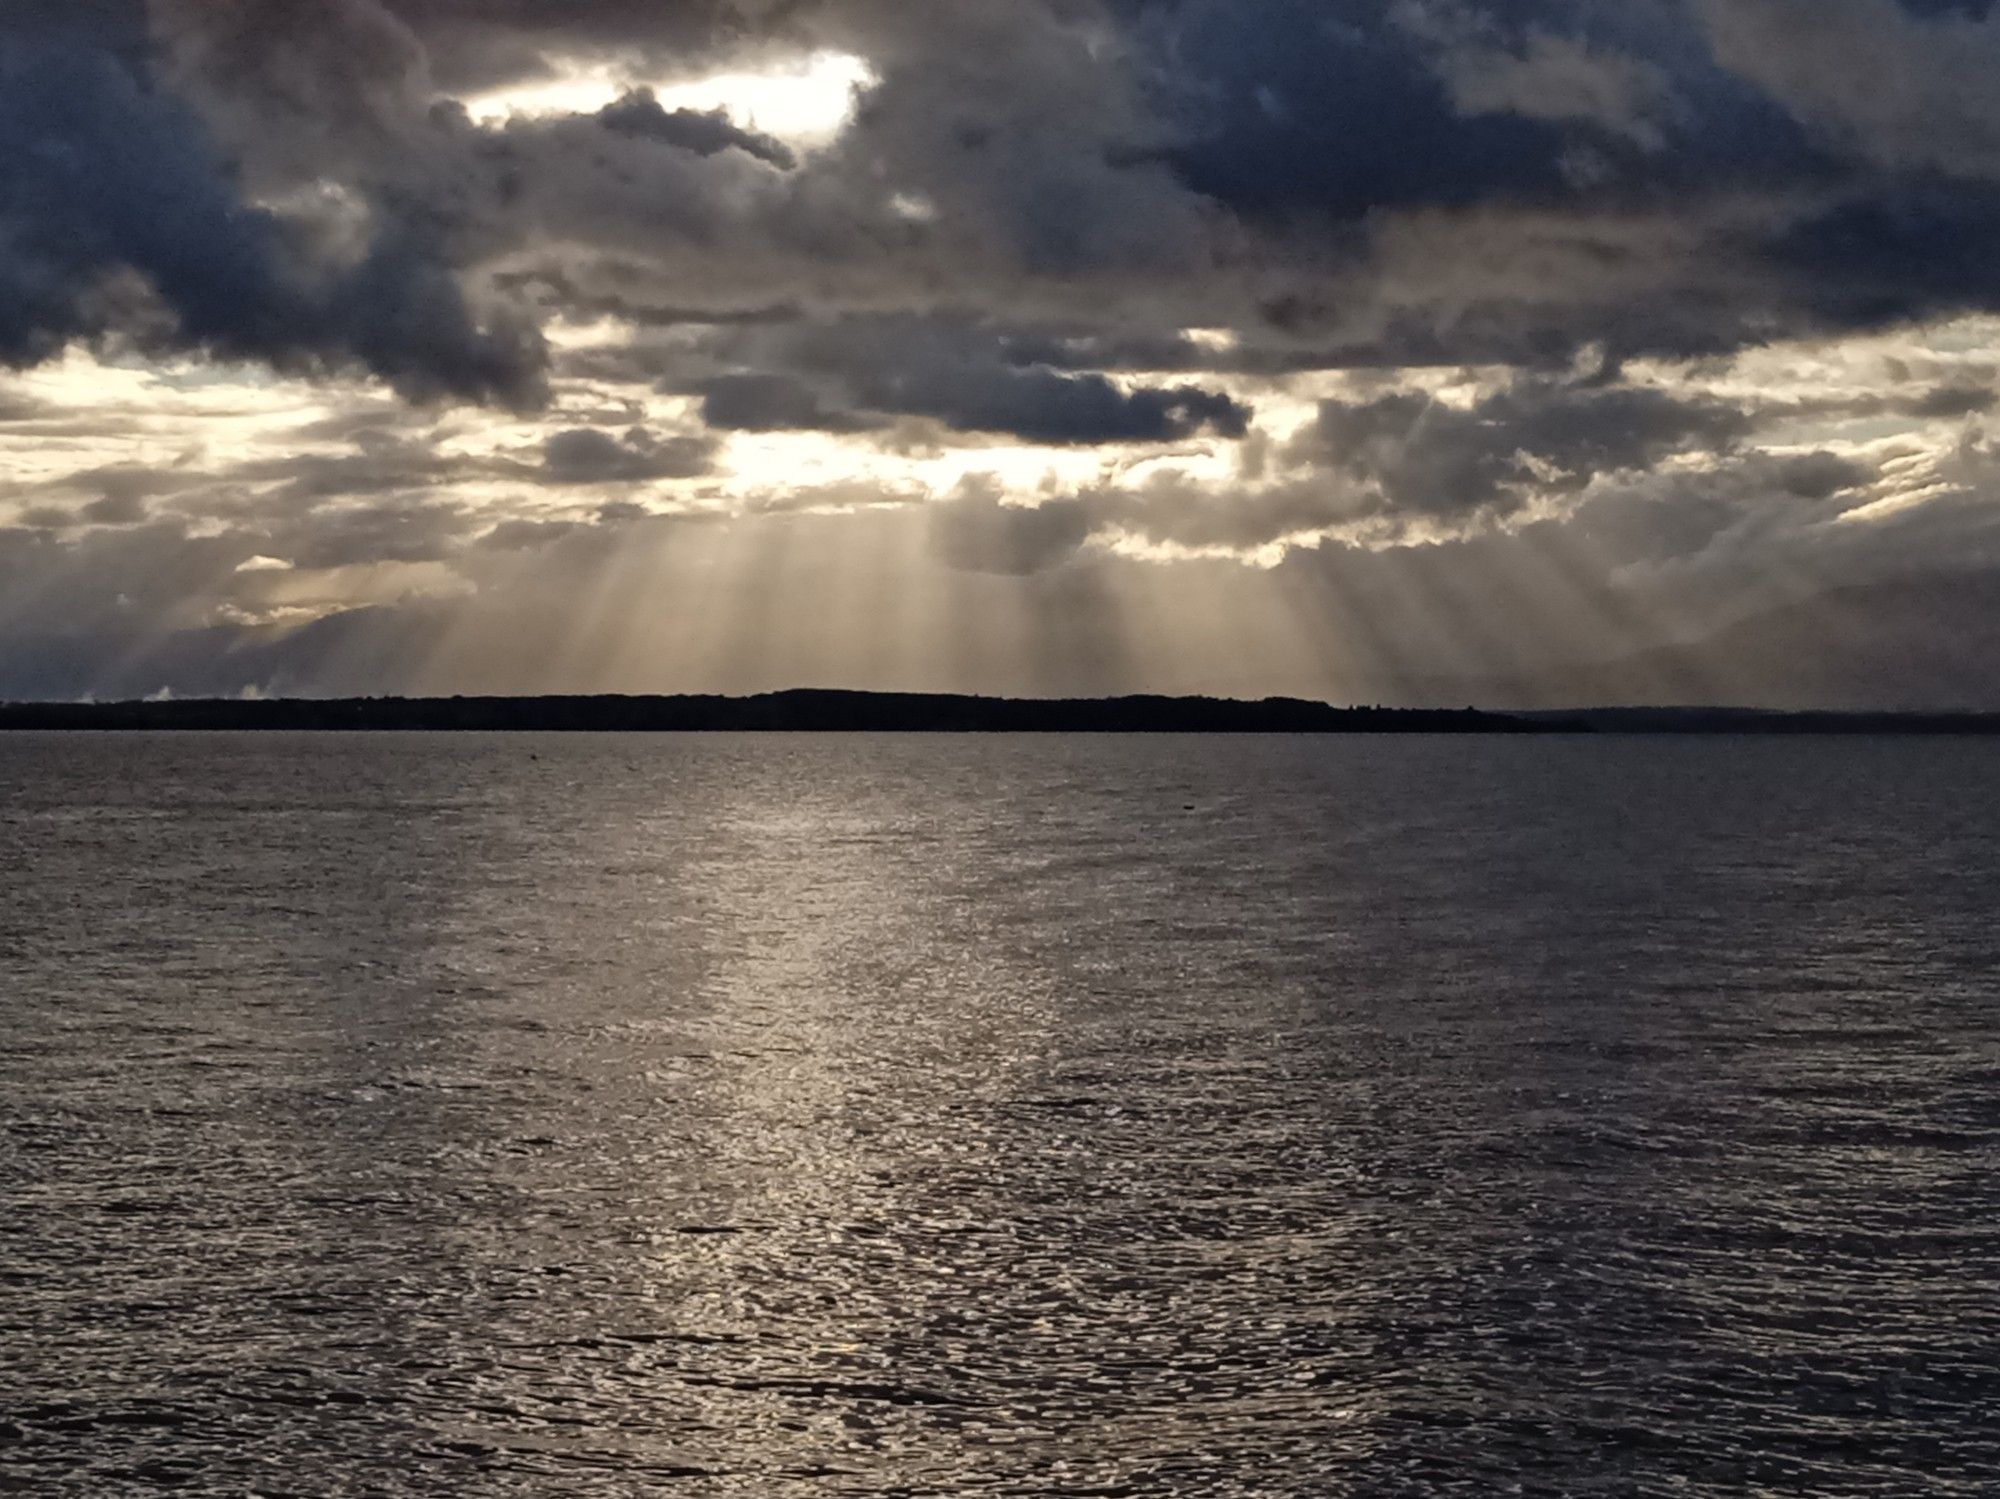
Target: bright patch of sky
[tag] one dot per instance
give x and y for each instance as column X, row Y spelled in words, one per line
column 804, row 103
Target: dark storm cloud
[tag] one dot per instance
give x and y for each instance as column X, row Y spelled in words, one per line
column 1045, row 407
column 1189, row 160
column 770, row 403
column 1799, row 145
column 1424, row 457
column 969, row 379
column 1631, row 190
column 102, row 176
column 321, row 74
column 115, row 27
column 1896, row 254
column 703, row 132
column 1818, row 476
column 584, row 455
column 1903, row 86
column 335, row 54
column 1292, row 108
column 1255, row 153
column 1286, row 107
column 1954, row 400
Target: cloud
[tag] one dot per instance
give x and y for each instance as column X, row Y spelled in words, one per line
column 106, row 178
column 584, row 455
column 1042, row 406
column 968, row 379
column 1894, row 253
column 1533, row 437
column 1907, row 85
column 1194, row 158
column 769, row 403
column 974, row 532
column 115, row 510
column 1560, row 78
column 1668, row 299
column 1960, row 399
column 1285, row 111
column 1818, row 476
column 703, row 132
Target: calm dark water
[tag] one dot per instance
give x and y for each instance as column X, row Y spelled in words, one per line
column 798, row 1116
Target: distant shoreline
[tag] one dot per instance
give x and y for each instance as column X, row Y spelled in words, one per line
column 827, row 711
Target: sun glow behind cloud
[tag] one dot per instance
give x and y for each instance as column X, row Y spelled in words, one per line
column 807, row 102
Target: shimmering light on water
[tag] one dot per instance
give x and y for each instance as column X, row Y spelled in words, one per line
column 799, row 1116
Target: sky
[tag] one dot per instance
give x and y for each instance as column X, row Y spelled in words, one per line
column 1509, row 351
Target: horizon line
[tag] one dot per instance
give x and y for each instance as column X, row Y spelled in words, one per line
column 846, row 710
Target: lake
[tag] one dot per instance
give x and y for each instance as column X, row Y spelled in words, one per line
column 799, row 1115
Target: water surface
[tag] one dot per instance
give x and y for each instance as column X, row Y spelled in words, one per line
column 409, row 1115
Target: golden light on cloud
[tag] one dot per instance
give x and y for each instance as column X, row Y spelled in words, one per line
column 766, row 464
column 804, row 103
column 82, row 411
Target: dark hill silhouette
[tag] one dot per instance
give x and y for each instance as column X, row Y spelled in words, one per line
column 892, row 712
column 801, row 710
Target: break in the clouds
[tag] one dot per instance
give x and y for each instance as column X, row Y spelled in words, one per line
column 1381, row 348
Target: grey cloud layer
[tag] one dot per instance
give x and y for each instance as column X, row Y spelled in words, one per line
column 1139, row 165
column 103, row 176
column 864, row 370
column 1122, row 224
column 1422, row 457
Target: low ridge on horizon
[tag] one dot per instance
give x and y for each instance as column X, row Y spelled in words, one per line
column 834, row 710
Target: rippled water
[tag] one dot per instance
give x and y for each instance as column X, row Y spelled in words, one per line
column 798, row 1116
